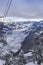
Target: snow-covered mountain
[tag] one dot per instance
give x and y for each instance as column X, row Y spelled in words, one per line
column 36, row 28
column 19, row 35
column 15, row 34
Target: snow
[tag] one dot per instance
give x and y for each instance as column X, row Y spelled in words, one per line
column 13, row 42
column 16, row 37
column 28, row 54
column 1, row 62
column 31, row 63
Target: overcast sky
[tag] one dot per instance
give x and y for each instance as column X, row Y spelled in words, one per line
column 23, row 8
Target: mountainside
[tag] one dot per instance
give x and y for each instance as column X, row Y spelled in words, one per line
column 36, row 28
column 18, row 36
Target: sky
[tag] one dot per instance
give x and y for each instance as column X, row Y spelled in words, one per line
column 30, row 9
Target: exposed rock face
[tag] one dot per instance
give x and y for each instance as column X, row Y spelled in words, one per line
column 2, row 37
column 27, row 44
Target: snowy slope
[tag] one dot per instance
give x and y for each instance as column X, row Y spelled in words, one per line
column 16, row 33
column 14, row 36
column 1, row 62
column 31, row 63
